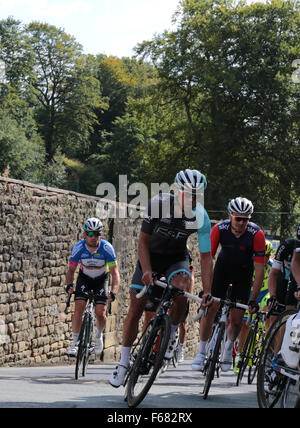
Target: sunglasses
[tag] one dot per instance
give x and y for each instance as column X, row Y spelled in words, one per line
column 239, row 219
column 90, row 234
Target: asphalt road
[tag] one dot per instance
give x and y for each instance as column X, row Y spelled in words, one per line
column 55, row 387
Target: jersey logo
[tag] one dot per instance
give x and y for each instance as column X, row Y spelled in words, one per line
column 252, row 230
column 171, row 233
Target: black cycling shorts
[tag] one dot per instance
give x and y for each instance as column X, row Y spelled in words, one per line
column 99, row 286
column 169, row 266
column 240, row 277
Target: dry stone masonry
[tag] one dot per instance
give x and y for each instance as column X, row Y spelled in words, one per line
column 39, row 227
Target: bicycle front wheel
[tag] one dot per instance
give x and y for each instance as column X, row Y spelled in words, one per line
column 213, row 360
column 246, row 356
column 257, row 349
column 270, row 382
column 149, row 360
column 81, row 347
column 87, row 345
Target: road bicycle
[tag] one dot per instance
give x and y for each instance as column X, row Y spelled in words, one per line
column 85, row 348
column 277, row 384
column 252, row 348
column 250, row 355
column 147, row 356
column 216, row 343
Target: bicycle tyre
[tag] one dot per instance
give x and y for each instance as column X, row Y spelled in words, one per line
column 297, row 405
column 210, row 374
column 151, row 356
column 87, row 345
column 267, row 399
column 246, row 355
column 81, row 347
column 260, row 340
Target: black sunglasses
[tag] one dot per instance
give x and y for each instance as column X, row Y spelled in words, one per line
column 90, row 234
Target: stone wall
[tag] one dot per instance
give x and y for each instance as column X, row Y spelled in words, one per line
column 39, row 227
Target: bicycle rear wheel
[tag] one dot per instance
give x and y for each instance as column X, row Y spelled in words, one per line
column 213, row 360
column 270, row 383
column 148, row 360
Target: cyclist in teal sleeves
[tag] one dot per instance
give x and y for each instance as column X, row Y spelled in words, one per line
column 97, row 260
column 162, row 248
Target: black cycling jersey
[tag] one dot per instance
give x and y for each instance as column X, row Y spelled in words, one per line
column 283, row 257
column 286, row 283
column 169, row 233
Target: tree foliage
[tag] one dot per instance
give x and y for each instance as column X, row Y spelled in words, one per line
column 216, row 94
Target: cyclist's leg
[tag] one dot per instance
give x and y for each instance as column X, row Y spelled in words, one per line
column 80, row 305
column 100, row 290
column 219, row 286
column 206, row 324
column 178, row 309
column 130, row 327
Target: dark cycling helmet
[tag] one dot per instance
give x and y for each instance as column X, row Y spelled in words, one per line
column 93, row 225
column 190, row 180
column 240, row 206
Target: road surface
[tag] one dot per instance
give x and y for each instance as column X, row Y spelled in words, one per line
column 55, row 387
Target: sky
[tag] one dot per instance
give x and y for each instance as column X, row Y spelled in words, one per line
column 111, row 27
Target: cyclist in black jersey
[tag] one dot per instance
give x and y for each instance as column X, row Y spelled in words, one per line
column 281, row 283
column 296, row 264
column 162, row 248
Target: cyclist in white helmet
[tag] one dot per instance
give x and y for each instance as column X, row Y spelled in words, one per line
column 240, row 240
column 98, row 261
column 290, row 350
column 162, row 248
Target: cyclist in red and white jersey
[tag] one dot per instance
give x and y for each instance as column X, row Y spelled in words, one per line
column 241, row 241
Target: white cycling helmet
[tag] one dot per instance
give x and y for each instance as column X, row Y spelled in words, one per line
column 190, row 180
column 240, row 206
column 93, row 225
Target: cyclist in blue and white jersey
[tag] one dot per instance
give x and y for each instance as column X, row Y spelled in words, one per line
column 162, row 248
column 98, row 261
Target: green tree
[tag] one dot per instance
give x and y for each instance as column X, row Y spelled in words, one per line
column 65, row 90
column 228, row 66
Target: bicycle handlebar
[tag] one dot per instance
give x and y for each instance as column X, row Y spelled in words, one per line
column 68, row 302
column 187, row 295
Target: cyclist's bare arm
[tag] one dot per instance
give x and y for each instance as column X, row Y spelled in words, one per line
column 206, row 264
column 272, row 281
column 259, row 278
column 115, row 278
column 144, row 257
column 70, row 276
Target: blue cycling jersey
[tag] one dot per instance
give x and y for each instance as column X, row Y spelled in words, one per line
column 96, row 264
